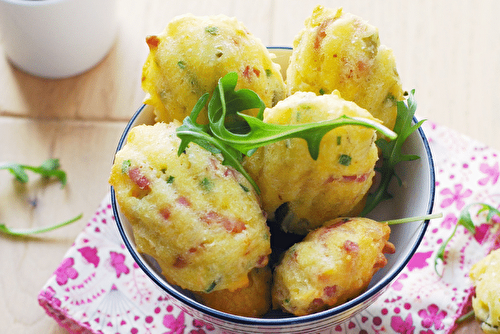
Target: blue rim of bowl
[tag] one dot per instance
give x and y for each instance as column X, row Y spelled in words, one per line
column 275, row 322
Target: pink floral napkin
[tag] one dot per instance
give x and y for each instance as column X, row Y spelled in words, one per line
column 98, row 288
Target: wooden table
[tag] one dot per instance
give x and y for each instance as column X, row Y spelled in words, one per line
column 449, row 51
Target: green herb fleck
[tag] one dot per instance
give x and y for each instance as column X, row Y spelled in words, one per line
column 345, row 160
column 212, row 30
column 245, row 189
column 206, row 184
column 269, row 72
column 321, row 91
column 170, row 179
column 125, row 166
column 181, row 64
column 211, row 287
column 339, row 140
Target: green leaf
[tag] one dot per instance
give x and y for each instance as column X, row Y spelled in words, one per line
column 391, row 151
column 465, row 220
column 26, row 232
column 234, row 134
column 49, row 168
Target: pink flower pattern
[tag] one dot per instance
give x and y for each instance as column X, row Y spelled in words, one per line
column 402, row 326
column 176, row 325
column 118, row 262
column 432, row 316
column 492, row 174
column 66, row 271
column 455, row 196
column 84, row 298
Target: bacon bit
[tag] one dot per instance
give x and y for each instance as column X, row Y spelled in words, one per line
column 165, row 213
column 348, row 178
column 231, row 225
column 138, row 178
column 262, row 261
column 351, row 246
column 380, row 261
column 180, row 262
column 355, row 178
column 214, row 163
column 246, row 72
column 230, row 172
column 317, row 302
column 152, row 41
column 183, row 201
column 389, row 248
column 362, row 66
column 193, row 250
column 330, row 291
column 321, row 34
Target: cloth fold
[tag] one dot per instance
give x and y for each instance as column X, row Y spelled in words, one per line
column 98, row 288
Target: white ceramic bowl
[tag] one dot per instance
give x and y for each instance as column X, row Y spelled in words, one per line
column 414, row 198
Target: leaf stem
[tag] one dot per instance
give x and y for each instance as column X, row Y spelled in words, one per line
column 25, row 232
column 414, row 219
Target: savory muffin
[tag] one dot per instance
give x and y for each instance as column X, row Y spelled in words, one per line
column 486, row 278
column 331, row 265
column 310, row 192
column 338, row 50
column 200, row 220
column 253, row 300
column 193, row 52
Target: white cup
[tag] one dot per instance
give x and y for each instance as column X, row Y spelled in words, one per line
column 57, row 38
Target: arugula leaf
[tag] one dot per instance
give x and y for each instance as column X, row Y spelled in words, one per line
column 391, row 151
column 26, row 232
column 235, row 134
column 49, row 168
column 465, row 220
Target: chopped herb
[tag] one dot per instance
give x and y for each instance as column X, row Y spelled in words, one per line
column 345, row 160
column 245, row 189
column 243, row 134
column 339, row 140
column 212, row 30
column 392, row 98
column 269, row 72
column 181, row 64
column 125, row 166
column 321, row 91
column 211, row 287
column 206, row 184
column 170, row 179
